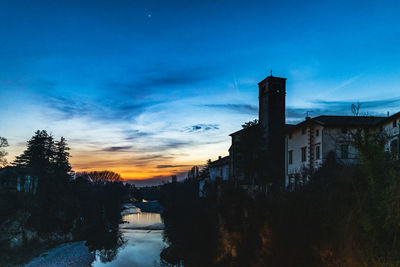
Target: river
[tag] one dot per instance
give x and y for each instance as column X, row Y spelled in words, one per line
column 142, row 232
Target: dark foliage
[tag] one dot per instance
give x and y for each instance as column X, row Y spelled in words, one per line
column 88, row 208
column 190, row 227
column 344, row 216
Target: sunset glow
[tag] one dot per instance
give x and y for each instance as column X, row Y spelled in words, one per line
column 150, row 89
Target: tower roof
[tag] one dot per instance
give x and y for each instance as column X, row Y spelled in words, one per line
column 271, row 78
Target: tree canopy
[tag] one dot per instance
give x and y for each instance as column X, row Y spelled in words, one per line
column 101, row 176
column 43, row 155
column 3, row 153
column 250, row 123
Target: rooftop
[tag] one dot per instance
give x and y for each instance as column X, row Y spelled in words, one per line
column 221, row 161
column 344, row 121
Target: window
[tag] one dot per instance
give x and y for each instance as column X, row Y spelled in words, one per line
column 344, row 130
column 290, row 136
column 303, row 130
column 344, row 151
column 303, row 154
column 317, row 132
column 317, row 152
column 394, row 123
column 291, row 157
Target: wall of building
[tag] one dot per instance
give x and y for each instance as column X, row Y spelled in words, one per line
column 336, row 137
column 221, row 171
column 311, row 136
column 295, row 141
column 393, row 134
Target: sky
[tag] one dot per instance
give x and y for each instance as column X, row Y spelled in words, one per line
column 150, row 88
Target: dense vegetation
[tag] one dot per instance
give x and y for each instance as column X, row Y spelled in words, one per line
column 343, row 216
column 66, row 207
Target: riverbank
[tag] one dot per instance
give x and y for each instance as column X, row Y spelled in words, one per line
column 65, row 255
column 141, row 232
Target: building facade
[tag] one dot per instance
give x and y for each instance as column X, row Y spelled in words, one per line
column 309, row 143
column 281, row 153
column 219, row 169
column 265, row 141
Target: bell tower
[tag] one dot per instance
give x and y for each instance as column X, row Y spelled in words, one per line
column 272, row 93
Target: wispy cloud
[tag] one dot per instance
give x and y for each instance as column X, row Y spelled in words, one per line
column 324, row 107
column 347, row 82
column 371, row 104
column 109, row 109
column 158, row 78
column 240, row 108
column 117, row 148
column 171, row 166
column 201, row 128
column 136, row 134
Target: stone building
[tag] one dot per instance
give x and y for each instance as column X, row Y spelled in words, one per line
column 309, row 143
column 271, row 152
column 219, row 169
column 265, row 138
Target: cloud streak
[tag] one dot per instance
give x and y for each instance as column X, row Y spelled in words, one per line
column 171, row 166
column 201, row 128
column 158, row 78
column 117, row 148
column 239, row 108
column 324, row 107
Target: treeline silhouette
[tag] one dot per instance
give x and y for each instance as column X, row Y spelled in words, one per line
column 343, row 216
column 66, row 206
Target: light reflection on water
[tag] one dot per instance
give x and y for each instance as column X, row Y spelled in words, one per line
column 141, row 219
column 143, row 246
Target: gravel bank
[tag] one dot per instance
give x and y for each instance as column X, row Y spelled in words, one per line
column 71, row 254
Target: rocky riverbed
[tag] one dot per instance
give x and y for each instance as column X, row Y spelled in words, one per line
column 142, row 235
column 65, row 255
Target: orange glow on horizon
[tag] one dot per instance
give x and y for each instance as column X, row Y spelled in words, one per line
column 134, row 172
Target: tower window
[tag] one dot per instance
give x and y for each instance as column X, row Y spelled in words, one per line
column 394, row 123
column 303, row 154
column 291, row 157
column 317, row 152
column 317, row 132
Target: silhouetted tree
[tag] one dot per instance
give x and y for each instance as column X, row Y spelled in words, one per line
column 61, row 156
column 205, row 172
column 250, row 123
column 103, row 176
column 3, row 153
column 39, row 153
column 193, row 173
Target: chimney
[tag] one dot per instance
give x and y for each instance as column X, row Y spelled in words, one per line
column 388, row 114
column 219, row 157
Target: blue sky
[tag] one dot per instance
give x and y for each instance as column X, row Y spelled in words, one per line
column 149, row 88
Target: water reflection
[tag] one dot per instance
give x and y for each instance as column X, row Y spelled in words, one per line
column 143, row 241
column 141, row 220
